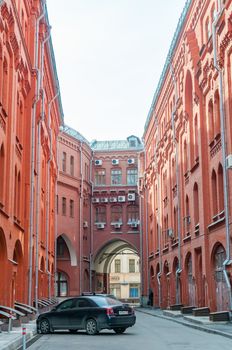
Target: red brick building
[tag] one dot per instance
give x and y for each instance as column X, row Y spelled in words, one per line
column 98, row 209
column 187, row 182
column 30, row 115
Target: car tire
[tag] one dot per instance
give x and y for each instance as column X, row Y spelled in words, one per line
column 91, row 327
column 119, row 330
column 44, row 326
column 73, row 331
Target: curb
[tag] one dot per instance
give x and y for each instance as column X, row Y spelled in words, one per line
column 17, row 343
column 191, row 325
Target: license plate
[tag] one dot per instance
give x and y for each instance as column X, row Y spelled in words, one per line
column 123, row 312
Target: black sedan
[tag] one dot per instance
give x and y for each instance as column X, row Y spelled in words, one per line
column 92, row 313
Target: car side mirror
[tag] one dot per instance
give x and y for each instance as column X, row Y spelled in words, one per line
column 53, row 309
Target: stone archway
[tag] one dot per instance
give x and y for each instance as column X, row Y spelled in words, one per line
column 102, row 264
column 4, row 290
column 190, row 280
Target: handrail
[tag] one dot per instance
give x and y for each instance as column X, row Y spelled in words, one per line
column 19, row 313
column 29, row 311
column 26, row 305
column 10, row 316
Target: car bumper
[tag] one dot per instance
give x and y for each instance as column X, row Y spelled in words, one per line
column 123, row 321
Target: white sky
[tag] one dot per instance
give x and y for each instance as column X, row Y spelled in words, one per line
column 109, row 56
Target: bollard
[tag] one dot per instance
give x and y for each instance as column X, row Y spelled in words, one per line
column 9, row 323
column 24, row 332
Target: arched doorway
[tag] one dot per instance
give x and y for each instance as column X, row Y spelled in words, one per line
column 222, row 293
column 3, row 269
column 61, row 284
column 190, row 281
column 116, row 270
column 166, row 285
column 86, row 281
column 176, row 283
column 17, row 283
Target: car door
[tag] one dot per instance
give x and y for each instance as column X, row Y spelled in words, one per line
column 60, row 316
column 81, row 309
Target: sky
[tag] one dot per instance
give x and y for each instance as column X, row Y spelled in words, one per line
column 109, row 57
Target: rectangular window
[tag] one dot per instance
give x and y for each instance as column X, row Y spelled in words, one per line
column 72, row 165
column 116, row 213
column 131, row 265
column 117, row 265
column 132, row 176
column 116, row 177
column 64, row 156
column 71, row 208
column 100, row 177
column 100, row 214
column 63, row 206
column 134, row 291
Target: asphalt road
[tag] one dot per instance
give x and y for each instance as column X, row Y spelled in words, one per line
column 149, row 333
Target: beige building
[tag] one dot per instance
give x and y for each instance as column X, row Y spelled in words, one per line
column 125, row 276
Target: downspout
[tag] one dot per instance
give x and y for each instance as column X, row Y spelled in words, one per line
column 48, row 192
column 32, row 180
column 38, row 180
column 81, row 218
column 140, row 227
column 146, row 230
column 159, row 218
column 178, row 270
column 91, row 228
column 228, row 260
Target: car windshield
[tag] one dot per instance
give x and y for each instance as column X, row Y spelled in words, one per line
column 105, row 301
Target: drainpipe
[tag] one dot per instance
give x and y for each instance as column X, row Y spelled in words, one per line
column 91, row 228
column 81, row 218
column 48, row 190
column 228, row 260
column 140, row 227
column 146, row 229
column 159, row 217
column 178, row 271
column 38, row 180
column 32, row 180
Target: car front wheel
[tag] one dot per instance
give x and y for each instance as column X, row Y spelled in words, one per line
column 91, row 327
column 44, row 326
column 119, row 330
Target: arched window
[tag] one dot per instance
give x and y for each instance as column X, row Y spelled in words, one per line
column 196, row 203
column 214, row 192
column 5, row 84
column 210, row 121
column 196, row 146
column 220, row 188
column 185, row 157
column 19, row 195
column 217, row 112
column 116, row 213
column 15, row 192
column 100, row 214
column 72, row 165
column 175, row 221
column 2, row 173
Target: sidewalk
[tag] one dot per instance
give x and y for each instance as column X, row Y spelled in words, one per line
column 13, row 339
column 200, row 323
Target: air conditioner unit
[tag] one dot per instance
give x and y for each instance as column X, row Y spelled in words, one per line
column 134, row 224
column 104, row 200
column 85, row 224
column 187, row 220
column 113, row 199
column 117, row 225
column 170, row 232
column 121, row 198
column 100, row 225
column 131, row 161
column 95, row 200
column 229, row 161
column 115, row 161
column 98, row 162
column 131, row 197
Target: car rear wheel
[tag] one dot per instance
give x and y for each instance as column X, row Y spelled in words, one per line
column 119, row 330
column 44, row 326
column 73, row 331
column 91, row 327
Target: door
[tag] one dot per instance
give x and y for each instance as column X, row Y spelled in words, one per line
column 222, row 293
column 80, row 311
column 191, row 285
column 60, row 317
